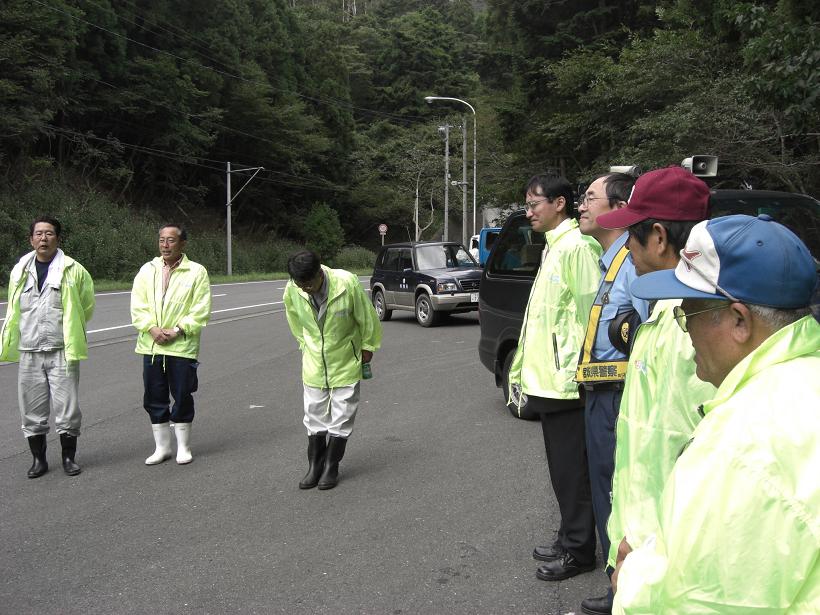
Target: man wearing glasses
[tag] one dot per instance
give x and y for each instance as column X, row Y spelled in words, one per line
column 338, row 330
column 543, row 369
column 51, row 298
column 614, row 317
column 658, row 410
column 738, row 524
column 170, row 304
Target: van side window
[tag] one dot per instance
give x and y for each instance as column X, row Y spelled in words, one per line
column 518, row 252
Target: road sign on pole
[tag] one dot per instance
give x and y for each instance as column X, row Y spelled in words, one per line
column 382, row 231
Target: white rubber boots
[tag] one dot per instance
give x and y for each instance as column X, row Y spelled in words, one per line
column 183, row 432
column 162, row 439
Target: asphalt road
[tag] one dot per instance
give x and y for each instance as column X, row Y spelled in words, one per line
column 441, row 499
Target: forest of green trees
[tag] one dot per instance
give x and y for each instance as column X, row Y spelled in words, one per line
column 136, row 106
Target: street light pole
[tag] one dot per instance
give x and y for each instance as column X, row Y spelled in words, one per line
column 446, row 130
column 464, row 241
column 429, row 100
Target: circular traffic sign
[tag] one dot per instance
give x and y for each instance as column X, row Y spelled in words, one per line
column 383, row 229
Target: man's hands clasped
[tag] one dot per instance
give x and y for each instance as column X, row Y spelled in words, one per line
column 163, row 336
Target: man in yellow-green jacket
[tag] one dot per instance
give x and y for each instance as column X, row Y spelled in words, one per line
column 543, row 369
column 658, row 411
column 51, row 298
column 739, row 524
column 337, row 330
column 170, row 304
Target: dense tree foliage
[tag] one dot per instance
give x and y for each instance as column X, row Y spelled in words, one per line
column 147, row 100
column 651, row 83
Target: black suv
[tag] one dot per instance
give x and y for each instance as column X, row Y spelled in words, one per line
column 432, row 279
column 514, row 260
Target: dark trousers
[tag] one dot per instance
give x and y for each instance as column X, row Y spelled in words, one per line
column 163, row 375
column 567, row 461
column 601, row 415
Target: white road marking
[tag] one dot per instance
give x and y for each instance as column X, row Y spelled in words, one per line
column 241, row 307
column 245, row 307
column 110, row 328
column 220, row 295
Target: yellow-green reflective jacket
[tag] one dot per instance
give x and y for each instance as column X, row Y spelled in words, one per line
column 332, row 354
column 76, row 296
column 557, row 311
column 658, row 414
column 187, row 304
column 740, row 514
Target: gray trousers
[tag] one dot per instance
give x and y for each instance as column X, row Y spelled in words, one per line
column 331, row 410
column 46, row 382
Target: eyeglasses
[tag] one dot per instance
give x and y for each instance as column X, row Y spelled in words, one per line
column 586, row 200
column 529, row 205
column 681, row 316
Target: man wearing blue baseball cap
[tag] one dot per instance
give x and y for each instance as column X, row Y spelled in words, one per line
column 739, row 524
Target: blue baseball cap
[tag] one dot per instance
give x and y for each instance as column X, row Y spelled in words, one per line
column 739, row 258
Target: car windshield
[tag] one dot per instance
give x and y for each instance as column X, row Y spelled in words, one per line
column 443, row 257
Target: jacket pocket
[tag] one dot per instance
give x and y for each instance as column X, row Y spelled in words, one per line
column 555, row 352
column 353, row 348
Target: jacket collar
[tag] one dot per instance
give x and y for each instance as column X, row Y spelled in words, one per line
column 28, row 261
column 183, row 263
column 801, row 338
column 559, row 231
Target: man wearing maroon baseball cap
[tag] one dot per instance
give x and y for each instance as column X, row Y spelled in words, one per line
column 658, row 411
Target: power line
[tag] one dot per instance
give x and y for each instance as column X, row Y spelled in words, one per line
column 288, row 148
column 332, row 102
column 188, row 159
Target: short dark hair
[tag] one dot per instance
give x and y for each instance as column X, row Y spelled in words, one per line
column 677, row 231
column 183, row 233
column 304, row 266
column 618, row 186
column 58, row 228
column 551, row 187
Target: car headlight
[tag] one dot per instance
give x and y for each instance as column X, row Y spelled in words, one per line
column 447, row 287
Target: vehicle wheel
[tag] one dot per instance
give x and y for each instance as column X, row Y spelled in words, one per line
column 425, row 314
column 505, row 387
column 381, row 307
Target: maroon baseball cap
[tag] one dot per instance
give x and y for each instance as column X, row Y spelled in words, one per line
column 672, row 193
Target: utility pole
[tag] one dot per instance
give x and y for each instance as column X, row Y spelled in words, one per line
column 416, row 208
column 446, row 130
column 431, row 99
column 229, row 201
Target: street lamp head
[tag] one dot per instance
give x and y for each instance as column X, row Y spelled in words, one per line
column 429, row 99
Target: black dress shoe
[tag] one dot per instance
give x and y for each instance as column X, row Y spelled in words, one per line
column 563, row 568
column 597, row 606
column 549, row 553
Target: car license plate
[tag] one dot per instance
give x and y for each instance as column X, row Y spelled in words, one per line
column 474, row 297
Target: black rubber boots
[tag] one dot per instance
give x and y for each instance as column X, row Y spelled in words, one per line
column 335, row 452
column 37, row 444
column 317, row 446
column 69, row 444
